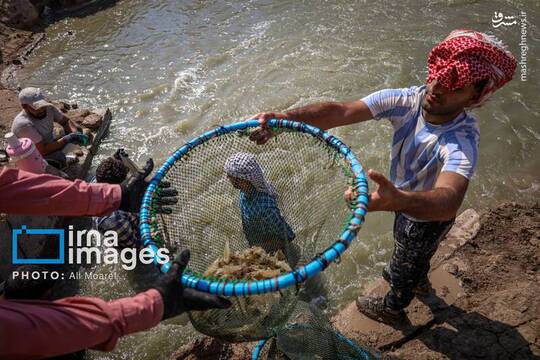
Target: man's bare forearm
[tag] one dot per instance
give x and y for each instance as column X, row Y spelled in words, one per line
column 439, row 204
column 321, row 115
column 330, row 114
column 48, row 148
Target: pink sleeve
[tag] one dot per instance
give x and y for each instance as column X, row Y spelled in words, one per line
column 25, row 193
column 33, row 329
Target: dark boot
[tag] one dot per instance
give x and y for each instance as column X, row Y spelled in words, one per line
column 423, row 288
column 376, row 309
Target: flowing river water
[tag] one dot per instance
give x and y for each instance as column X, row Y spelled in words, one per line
column 170, row 70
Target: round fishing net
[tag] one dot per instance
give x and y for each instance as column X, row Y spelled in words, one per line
column 259, row 220
column 309, row 334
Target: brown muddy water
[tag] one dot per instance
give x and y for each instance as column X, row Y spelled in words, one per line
column 170, row 70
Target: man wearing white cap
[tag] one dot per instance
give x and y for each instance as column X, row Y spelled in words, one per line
column 36, row 122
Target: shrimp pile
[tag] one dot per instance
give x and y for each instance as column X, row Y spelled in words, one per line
column 250, row 264
column 248, row 318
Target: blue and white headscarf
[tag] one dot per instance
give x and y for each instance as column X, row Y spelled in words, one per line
column 244, row 166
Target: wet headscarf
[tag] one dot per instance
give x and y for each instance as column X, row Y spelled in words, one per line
column 466, row 57
column 244, row 166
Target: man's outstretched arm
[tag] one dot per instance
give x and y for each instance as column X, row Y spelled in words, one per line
column 439, row 204
column 25, row 193
column 325, row 115
column 22, row 192
column 87, row 323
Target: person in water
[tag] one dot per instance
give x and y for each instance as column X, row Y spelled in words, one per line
column 434, row 154
column 262, row 221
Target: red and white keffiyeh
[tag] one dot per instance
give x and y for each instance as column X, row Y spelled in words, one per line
column 466, row 57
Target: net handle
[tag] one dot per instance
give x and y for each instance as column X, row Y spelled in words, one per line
column 294, row 277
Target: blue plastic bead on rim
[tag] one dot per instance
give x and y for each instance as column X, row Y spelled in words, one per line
column 296, row 276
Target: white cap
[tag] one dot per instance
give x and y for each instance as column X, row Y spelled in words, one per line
column 33, row 96
column 12, row 140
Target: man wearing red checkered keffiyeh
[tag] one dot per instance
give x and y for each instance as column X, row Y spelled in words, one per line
column 434, row 154
column 469, row 57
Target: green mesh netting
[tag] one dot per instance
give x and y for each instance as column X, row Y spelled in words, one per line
column 308, row 178
column 309, row 334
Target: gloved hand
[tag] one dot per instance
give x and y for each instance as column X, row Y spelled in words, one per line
column 134, row 187
column 75, row 138
column 177, row 299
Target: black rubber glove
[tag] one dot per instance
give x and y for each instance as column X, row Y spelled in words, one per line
column 177, row 299
column 134, row 187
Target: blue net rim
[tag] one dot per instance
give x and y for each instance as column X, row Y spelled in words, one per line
column 257, row 350
column 297, row 275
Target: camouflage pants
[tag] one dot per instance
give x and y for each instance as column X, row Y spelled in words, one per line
column 414, row 245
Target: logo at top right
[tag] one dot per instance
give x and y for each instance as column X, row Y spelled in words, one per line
column 499, row 19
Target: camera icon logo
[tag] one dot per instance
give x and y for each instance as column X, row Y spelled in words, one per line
column 15, row 233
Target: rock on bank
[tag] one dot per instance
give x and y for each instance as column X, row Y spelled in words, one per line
column 27, row 14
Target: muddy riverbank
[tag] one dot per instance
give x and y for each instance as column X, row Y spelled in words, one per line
column 15, row 46
column 486, row 277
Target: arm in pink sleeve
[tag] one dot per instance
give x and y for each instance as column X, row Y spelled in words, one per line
column 25, row 193
column 32, row 329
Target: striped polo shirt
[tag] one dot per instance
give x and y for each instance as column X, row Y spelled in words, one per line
column 420, row 150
